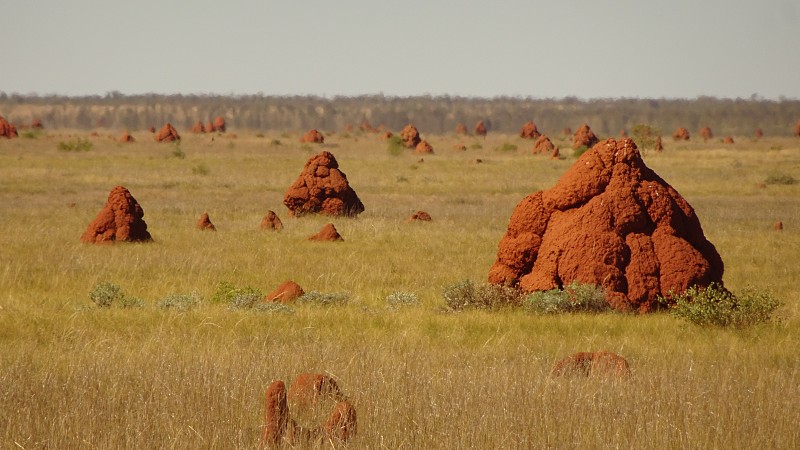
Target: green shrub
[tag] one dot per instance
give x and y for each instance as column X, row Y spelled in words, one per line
column 401, row 299
column 645, row 136
column 780, row 178
column 315, row 298
column 579, row 151
column 227, row 292
column 104, row 294
column 180, row 302
column 574, row 298
column 30, row 134
column 75, row 145
column 716, row 306
column 476, row 146
column 131, row 302
column 177, row 152
column 274, row 142
column 507, row 148
column 467, row 295
column 395, row 146
column 201, row 169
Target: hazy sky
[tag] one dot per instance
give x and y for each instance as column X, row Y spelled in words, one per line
column 583, row 48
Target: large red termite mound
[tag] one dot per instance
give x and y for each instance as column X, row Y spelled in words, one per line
column 706, row 133
column 313, row 137
column 6, row 129
column 322, row 188
column 121, row 219
column 167, row 133
column 410, row 136
column 480, row 129
column 681, row 134
column 609, row 221
column 529, row 130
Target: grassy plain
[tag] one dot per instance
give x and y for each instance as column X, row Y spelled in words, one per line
column 76, row 376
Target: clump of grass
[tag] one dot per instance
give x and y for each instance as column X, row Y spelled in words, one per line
column 177, row 152
column 476, row 146
column 201, row 169
column 395, row 146
column 574, row 298
column 506, row 147
column 274, row 142
column 467, row 295
column 30, row 134
column 260, row 135
column 579, row 151
column 180, row 302
column 780, row 178
column 315, row 298
column 273, row 307
column 716, row 306
column 400, row 299
column 75, row 145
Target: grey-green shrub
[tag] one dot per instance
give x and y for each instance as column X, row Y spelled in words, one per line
column 401, row 299
column 104, row 294
column 315, row 298
column 180, row 302
column 229, row 293
column 716, row 306
column 467, row 295
column 574, row 298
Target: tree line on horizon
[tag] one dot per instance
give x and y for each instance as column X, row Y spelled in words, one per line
column 431, row 114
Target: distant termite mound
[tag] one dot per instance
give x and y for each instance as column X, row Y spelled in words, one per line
column 410, row 136
column 759, row 133
column 125, row 137
column 658, row 146
column 322, row 188
column 7, row 130
column 219, row 124
column 423, row 147
column 584, row 137
column 121, row 219
column 286, row 292
column 529, row 130
column 419, row 216
column 461, row 129
column 327, row 233
column 198, row 128
column 544, row 146
column 167, row 133
column 271, row 221
column 728, row 140
column 205, row 223
column 313, row 136
column 480, row 129
column 706, row 134
column 681, row 134
column 609, row 221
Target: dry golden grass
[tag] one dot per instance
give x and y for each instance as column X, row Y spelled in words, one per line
column 73, row 375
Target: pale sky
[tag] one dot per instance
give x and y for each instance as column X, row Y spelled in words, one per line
column 583, row 48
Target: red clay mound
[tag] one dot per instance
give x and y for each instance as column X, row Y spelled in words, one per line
column 205, row 223
column 327, row 233
column 423, row 147
column 313, row 136
column 461, row 129
column 681, row 134
column 151, row 129
column 797, row 129
column 419, row 216
column 219, row 124
column 567, row 132
column 322, row 188
column 529, row 131
column 480, row 129
column 271, row 221
column 728, row 140
column 167, row 133
column 209, row 128
column 387, row 135
column 759, row 133
column 584, row 137
column 313, row 413
column 778, row 226
column 36, row 124
column 121, row 219
column 658, row 146
column 410, row 136
column 367, row 127
column 198, row 128
column 287, row 292
column 609, row 221
column 125, row 137
column 276, row 415
column 6, row 129
column 544, row 145
column 592, row 364
column 706, row 134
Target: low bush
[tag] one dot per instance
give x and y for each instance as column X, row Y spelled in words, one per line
column 579, row 151
column 104, row 294
column 229, row 293
column 75, row 145
column 467, row 295
column 395, row 146
column 780, row 178
column 716, row 306
column 401, row 299
column 314, row 298
column 574, row 298
column 506, row 147
column 180, row 302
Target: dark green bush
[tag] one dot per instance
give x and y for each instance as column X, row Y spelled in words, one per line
column 75, row 145
column 579, row 151
column 104, row 294
column 719, row 307
column 395, row 146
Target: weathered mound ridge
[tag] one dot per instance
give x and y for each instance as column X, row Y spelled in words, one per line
column 322, row 188
column 121, row 219
column 610, row 221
